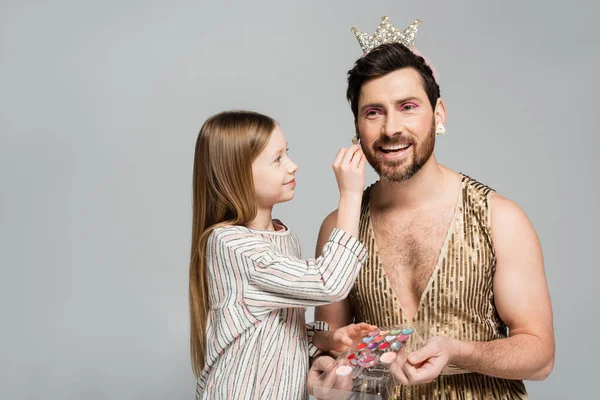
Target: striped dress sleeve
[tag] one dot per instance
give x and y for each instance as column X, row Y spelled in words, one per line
column 281, row 281
column 311, row 329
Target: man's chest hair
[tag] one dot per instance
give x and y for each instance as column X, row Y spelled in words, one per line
column 409, row 246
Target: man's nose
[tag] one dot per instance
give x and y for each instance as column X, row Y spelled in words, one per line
column 393, row 125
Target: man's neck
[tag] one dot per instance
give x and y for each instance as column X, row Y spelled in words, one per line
column 423, row 187
column 263, row 220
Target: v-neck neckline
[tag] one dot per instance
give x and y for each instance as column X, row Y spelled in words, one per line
column 441, row 256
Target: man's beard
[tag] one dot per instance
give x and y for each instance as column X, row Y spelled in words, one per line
column 394, row 171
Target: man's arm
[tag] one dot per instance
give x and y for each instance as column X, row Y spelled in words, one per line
column 523, row 302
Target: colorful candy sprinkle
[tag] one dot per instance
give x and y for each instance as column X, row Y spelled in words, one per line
column 402, row 338
column 384, row 346
column 368, row 339
column 407, row 331
column 361, row 346
column 390, row 338
column 378, row 338
column 372, row 346
column 383, row 333
column 396, row 331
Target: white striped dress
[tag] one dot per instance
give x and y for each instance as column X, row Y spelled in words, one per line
column 257, row 346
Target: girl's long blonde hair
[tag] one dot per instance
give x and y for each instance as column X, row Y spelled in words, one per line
column 223, row 187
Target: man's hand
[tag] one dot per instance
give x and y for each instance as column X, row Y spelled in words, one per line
column 333, row 386
column 423, row 365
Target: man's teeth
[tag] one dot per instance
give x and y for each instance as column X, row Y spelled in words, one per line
column 395, row 148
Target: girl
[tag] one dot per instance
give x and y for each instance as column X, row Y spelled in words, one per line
column 248, row 285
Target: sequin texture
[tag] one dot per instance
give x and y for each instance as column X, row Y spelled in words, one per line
column 457, row 303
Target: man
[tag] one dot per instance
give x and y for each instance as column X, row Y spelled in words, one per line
column 446, row 253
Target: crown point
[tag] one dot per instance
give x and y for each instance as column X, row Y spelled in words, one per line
column 387, row 33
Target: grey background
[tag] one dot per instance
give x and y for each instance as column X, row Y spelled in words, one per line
column 100, row 107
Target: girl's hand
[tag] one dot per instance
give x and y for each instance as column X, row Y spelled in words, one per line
column 341, row 338
column 350, row 171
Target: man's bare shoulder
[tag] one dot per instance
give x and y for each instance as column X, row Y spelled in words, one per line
column 328, row 223
column 508, row 220
column 502, row 207
column 327, row 227
column 450, row 174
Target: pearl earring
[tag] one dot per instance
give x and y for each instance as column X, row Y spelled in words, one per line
column 441, row 129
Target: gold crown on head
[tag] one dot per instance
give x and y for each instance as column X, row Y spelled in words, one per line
column 387, row 33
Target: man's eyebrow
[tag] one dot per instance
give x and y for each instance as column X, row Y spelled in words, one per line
column 412, row 98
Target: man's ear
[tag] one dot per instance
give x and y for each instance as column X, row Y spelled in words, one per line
column 439, row 112
column 356, row 138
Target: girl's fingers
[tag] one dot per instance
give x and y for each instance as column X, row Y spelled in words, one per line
column 350, row 152
column 339, row 157
column 363, row 161
column 357, row 158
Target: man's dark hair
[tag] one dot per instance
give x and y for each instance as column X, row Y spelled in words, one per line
column 382, row 60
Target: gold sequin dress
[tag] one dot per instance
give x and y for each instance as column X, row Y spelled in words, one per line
column 458, row 301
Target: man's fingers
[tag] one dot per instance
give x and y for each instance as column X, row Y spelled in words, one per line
column 320, row 365
column 397, row 367
column 424, row 353
column 424, row 374
column 398, row 372
column 411, row 373
column 340, row 389
column 331, row 378
column 323, row 363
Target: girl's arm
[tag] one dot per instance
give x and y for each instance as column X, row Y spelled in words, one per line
column 281, row 281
